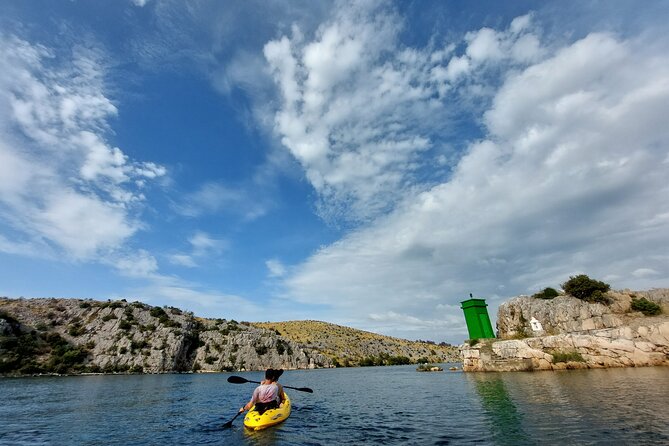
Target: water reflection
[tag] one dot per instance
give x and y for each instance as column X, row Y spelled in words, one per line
column 375, row 405
column 506, row 422
column 266, row 437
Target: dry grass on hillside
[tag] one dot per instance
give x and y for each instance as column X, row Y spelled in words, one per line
column 344, row 343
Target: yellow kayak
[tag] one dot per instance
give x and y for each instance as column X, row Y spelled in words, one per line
column 253, row 420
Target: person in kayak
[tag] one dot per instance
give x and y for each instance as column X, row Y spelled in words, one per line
column 269, row 394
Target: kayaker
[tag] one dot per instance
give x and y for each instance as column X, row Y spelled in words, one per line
column 269, row 394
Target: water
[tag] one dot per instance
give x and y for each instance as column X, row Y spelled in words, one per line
column 376, row 405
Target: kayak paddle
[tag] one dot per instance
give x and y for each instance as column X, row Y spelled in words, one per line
column 229, row 423
column 240, row 380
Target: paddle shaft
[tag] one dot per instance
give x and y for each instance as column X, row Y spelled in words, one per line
column 240, row 380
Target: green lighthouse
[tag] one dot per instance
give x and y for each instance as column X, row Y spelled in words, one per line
column 476, row 316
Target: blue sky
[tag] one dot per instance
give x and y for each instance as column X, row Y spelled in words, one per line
column 363, row 163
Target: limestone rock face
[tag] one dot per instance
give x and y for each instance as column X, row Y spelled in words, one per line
column 567, row 314
column 119, row 336
column 645, row 344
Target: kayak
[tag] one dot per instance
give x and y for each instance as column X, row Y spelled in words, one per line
column 253, row 420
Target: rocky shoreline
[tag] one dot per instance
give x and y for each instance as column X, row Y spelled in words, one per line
column 568, row 333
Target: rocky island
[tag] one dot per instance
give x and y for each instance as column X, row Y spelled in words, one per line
column 86, row 336
column 617, row 329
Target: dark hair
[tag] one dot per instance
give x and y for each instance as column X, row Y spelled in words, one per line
column 273, row 374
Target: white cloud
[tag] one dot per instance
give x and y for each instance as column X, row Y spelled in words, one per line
column 569, row 178
column 645, row 272
column 457, row 66
column 520, row 23
column 276, row 268
column 213, row 198
column 354, row 149
column 80, row 224
column 182, row 260
column 358, row 110
column 62, row 183
column 484, row 45
column 407, row 326
column 139, row 264
column 203, row 244
column 203, row 302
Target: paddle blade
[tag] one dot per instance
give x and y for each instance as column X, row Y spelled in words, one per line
column 237, row 380
column 229, row 423
column 305, row 389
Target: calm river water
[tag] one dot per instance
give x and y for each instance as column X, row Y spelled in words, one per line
column 375, row 405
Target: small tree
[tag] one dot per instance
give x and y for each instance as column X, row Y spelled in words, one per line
column 646, row 306
column 585, row 288
column 546, row 293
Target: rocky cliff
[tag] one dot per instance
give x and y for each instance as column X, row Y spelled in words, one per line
column 566, row 332
column 75, row 336
column 567, row 314
column 71, row 335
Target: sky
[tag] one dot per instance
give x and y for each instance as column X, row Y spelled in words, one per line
column 368, row 164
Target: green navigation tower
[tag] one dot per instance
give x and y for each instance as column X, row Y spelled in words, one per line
column 476, row 316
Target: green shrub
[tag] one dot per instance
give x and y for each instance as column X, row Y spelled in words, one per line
column 398, row 360
column 65, row 358
column 598, row 297
column 521, row 333
column 76, row 330
column 584, row 288
column 282, row 347
column 383, row 359
column 166, row 321
column 427, row 367
column 546, row 293
column 157, row 312
column 370, row 361
column 573, row 356
column 646, row 306
column 261, row 350
column 93, row 368
column 124, row 325
column 31, row 367
column 136, row 369
column 138, row 345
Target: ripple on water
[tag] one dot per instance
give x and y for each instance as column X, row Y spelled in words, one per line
column 390, row 406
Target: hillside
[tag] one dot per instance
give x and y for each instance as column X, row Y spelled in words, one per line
column 348, row 346
column 79, row 336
